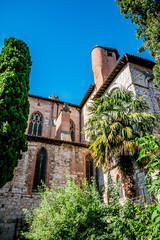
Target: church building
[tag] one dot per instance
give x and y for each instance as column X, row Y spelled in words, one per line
column 56, row 143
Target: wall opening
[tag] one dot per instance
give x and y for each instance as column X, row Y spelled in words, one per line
column 72, row 130
column 89, row 168
column 40, row 169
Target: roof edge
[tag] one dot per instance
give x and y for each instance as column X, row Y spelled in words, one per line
column 54, row 141
column 126, row 58
column 53, row 100
column 87, row 95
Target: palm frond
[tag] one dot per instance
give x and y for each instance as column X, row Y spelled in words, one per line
column 116, row 119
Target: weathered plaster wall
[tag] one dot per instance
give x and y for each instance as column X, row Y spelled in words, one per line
column 122, row 81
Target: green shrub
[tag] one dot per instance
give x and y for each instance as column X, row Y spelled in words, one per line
column 74, row 213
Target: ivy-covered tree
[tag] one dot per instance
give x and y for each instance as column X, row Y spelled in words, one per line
column 15, row 63
column 146, row 14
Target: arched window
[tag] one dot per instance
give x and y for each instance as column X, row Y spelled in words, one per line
column 89, row 167
column 120, row 187
column 35, row 124
column 72, row 130
column 40, row 170
column 115, row 88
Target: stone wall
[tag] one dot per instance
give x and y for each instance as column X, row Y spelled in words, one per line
column 63, row 157
column 142, row 79
column 122, row 81
column 139, row 80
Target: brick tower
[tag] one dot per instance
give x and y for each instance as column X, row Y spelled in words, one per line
column 103, row 61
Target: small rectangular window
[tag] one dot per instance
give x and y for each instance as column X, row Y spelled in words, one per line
column 109, row 54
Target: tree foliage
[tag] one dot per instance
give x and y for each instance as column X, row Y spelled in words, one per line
column 146, row 14
column 150, row 155
column 79, row 214
column 15, row 65
column 115, row 121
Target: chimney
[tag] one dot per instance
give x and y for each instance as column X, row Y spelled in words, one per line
column 103, row 61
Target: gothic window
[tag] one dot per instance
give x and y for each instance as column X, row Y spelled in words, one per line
column 89, row 167
column 120, row 187
column 72, row 130
column 35, row 125
column 40, row 169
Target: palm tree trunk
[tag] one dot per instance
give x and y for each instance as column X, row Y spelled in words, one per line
column 127, row 171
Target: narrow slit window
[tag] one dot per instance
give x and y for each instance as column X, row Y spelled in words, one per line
column 120, row 187
column 72, row 130
column 40, row 169
column 89, row 168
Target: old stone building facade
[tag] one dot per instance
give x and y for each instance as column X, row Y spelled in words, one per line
column 56, row 144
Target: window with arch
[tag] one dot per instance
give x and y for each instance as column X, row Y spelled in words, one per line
column 72, row 130
column 120, row 187
column 35, row 124
column 114, row 89
column 40, row 169
column 89, row 168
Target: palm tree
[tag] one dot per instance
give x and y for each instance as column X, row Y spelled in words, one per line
column 115, row 121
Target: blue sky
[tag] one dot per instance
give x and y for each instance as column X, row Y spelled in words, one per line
column 60, row 35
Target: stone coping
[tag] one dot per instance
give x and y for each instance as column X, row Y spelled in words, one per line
column 31, row 138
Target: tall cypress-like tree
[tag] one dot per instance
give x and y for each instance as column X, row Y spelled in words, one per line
column 15, row 63
column 146, row 14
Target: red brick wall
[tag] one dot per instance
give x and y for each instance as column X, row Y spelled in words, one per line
column 50, row 112
column 102, row 64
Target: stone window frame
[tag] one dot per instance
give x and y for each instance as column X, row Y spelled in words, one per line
column 38, row 130
column 44, row 177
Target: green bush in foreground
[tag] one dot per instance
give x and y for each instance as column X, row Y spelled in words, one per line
column 73, row 213
column 150, row 155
